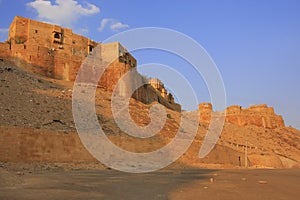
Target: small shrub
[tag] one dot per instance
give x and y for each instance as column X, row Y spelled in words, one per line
column 19, row 41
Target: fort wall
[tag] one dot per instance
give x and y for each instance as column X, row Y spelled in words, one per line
column 4, row 49
column 258, row 115
column 29, row 145
column 57, row 52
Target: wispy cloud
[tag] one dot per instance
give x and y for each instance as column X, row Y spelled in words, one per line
column 113, row 24
column 84, row 30
column 103, row 24
column 62, row 12
column 118, row 26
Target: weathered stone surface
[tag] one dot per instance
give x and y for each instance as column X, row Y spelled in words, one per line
column 27, row 145
column 258, row 115
column 4, row 50
column 57, row 52
column 160, row 88
column 205, row 110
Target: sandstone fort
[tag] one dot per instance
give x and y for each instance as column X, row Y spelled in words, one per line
column 57, row 52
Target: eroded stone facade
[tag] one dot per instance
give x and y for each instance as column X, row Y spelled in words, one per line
column 57, row 52
column 258, row 115
column 160, row 88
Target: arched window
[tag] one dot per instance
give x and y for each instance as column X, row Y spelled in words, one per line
column 91, row 48
column 56, row 35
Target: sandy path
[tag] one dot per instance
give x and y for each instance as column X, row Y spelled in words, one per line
column 166, row 184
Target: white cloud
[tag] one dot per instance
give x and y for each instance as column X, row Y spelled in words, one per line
column 82, row 31
column 104, row 23
column 63, row 12
column 114, row 25
column 117, row 26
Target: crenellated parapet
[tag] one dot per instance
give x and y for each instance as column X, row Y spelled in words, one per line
column 56, row 52
column 160, row 88
column 258, row 115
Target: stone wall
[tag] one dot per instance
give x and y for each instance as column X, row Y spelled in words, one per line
column 28, row 145
column 57, row 52
column 60, row 52
column 160, row 88
column 258, row 115
column 36, row 145
column 148, row 94
column 4, row 50
column 205, row 110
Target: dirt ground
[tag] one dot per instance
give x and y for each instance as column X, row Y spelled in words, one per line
column 43, row 105
column 30, row 101
column 68, row 182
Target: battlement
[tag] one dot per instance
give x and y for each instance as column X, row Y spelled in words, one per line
column 160, row 88
column 258, row 115
column 57, row 52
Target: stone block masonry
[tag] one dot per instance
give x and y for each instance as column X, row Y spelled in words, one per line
column 4, row 49
column 57, row 52
column 258, row 115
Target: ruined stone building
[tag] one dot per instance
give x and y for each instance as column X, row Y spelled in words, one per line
column 54, row 51
column 57, row 52
column 258, row 115
column 159, row 86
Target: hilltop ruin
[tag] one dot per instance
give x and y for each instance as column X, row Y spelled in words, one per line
column 258, row 115
column 37, row 123
column 57, row 52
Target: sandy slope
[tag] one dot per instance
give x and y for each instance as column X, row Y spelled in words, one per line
column 31, row 101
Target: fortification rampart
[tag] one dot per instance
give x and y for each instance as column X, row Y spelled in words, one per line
column 57, row 52
column 258, row 115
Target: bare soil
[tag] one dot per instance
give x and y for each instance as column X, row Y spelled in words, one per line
column 44, row 181
column 32, row 102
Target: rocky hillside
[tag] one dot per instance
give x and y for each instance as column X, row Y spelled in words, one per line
column 36, row 124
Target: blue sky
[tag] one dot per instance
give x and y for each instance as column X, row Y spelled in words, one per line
column 255, row 44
